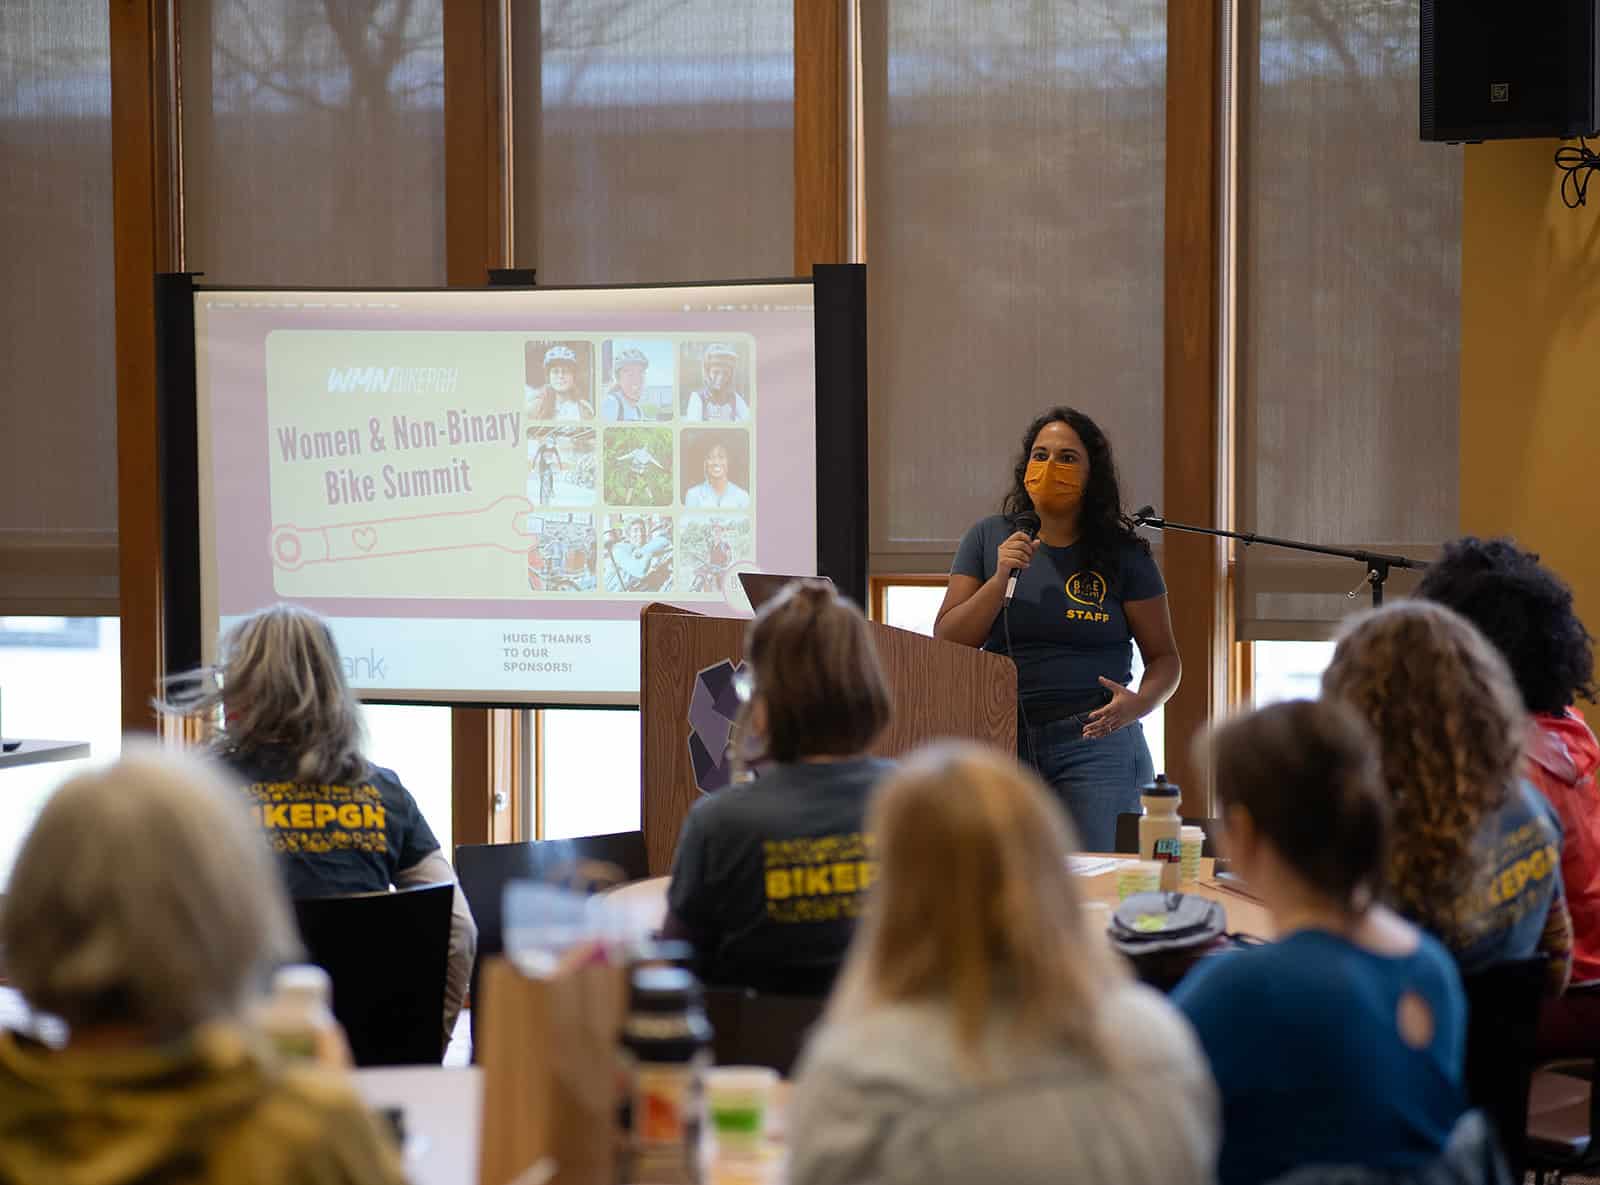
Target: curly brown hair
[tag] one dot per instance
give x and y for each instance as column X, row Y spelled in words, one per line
column 1450, row 727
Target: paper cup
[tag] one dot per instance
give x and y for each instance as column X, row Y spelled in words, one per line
column 1138, row 876
column 1193, row 841
column 738, row 1105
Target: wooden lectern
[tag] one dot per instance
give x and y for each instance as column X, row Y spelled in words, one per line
column 940, row 689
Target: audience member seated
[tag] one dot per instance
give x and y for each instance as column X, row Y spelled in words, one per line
column 1476, row 852
column 292, row 731
column 144, row 912
column 1342, row 1042
column 770, row 874
column 982, row 1030
column 1526, row 611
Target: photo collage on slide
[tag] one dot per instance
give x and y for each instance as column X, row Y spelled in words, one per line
column 641, row 464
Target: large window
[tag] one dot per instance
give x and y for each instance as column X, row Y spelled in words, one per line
column 58, row 449
column 1287, row 670
column 60, row 679
column 1014, row 214
column 1348, row 271
column 590, row 774
column 654, row 142
column 415, row 742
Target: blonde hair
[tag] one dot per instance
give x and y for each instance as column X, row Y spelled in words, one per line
column 1450, row 728
column 974, row 905
column 282, row 685
column 145, row 895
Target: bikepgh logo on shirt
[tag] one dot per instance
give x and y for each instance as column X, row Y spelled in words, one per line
column 1089, row 590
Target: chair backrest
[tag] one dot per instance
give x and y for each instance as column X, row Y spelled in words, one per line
column 1503, row 1003
column 386, row 954
column 1471, row 1157
column 758, row 1029
column 484, row 868
column 1126, row 836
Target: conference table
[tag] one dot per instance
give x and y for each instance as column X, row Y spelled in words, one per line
column 1097, row 882
column 14, row 752
column 443, row 1107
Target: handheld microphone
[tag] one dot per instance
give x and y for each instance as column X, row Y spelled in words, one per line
column 1024, row 522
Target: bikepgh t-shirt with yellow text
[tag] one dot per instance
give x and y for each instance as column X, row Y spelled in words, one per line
column 333, row 839
column 771, row 875
column 1067, row 622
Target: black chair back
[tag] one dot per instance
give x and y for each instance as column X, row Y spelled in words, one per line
column 1503, row 1003
column 1126, row 837
column 386, row 954
column 758, row 1029
column 484, row 869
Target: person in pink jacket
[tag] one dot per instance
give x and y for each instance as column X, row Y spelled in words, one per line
column 1526, row 610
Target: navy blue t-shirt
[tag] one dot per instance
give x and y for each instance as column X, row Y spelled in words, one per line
column 771, row 875
column 332, row 839
column 1304, row 1042
column 1067, row 623
column 1519, row 853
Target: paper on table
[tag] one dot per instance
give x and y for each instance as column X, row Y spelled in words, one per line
column 1092, row 865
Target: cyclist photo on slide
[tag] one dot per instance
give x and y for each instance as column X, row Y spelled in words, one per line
column 638, row 554
column 712, row 548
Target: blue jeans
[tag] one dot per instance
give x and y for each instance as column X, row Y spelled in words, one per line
column 1095, row 779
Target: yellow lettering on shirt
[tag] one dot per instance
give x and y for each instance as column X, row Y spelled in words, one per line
column 316, row 818
column 818, row 878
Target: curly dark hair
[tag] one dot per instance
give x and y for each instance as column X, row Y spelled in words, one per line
column 1525, row 610
column 1102, row 527
column 1450, row 728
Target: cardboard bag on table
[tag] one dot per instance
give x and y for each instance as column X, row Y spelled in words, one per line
column 549, row 1057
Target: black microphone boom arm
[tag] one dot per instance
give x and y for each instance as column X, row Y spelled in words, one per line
column 1378, row 563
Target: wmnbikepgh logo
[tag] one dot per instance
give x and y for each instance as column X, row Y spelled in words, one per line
column 391, row 380
column 1088, row 589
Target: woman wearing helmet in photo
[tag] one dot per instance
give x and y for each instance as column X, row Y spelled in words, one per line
column 622, row 398
column 717, row 400
column 559, row 398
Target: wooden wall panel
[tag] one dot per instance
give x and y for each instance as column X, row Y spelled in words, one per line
column 1194, row 563
column 475, row 241
column 820, row 134
column 146, row 240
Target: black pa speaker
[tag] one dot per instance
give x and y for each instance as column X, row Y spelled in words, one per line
column 1509, row 69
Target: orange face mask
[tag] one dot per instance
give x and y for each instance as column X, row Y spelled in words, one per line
column 1055, row 488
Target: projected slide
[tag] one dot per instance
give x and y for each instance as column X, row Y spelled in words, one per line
column 481, row 490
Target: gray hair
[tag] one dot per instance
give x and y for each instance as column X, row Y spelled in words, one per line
column 282, row 686
column 145, row 895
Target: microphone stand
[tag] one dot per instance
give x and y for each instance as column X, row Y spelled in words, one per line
column 1378, row 563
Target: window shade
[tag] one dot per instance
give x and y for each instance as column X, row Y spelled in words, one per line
column 1349, row 309
column 1014, row 171
column 654, row 140
column 58, row 452
column 313, row 142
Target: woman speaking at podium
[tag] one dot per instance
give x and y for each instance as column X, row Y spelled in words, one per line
column 1087, row 588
